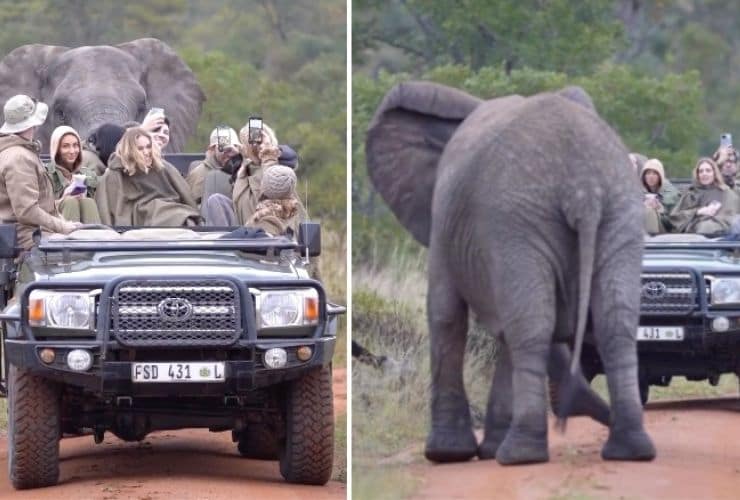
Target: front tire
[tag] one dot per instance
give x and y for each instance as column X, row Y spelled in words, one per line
column 33, row 430
column 308, row 454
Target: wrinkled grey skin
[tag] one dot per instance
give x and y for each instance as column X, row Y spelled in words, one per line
column 88, row 86
column 532, row 219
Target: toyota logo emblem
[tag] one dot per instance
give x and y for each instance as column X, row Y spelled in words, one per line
column 654, row 290
column 175, row 309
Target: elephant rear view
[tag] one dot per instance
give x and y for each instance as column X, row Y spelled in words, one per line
column 533, row 222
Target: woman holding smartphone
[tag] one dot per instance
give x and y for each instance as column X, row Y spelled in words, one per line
column 660, row 196
column 74, row 185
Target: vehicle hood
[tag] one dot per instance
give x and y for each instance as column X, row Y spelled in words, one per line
column 706, row 261
column 105, row 266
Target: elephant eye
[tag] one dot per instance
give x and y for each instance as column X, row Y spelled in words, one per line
column 60, row 114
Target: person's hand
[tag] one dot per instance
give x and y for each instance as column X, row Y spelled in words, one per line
column 153, row 123
column 70, row 226
column 710, row 209
column 714, row 207
column 651, row 202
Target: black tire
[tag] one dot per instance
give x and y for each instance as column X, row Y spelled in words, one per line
column 308, row 454
column 644, row 390
column 259, row 443
column 33, row 430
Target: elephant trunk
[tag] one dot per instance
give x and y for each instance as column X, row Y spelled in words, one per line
column 587, row 226
column 100, row 112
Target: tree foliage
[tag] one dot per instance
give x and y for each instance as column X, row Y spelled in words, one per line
column 574, row 36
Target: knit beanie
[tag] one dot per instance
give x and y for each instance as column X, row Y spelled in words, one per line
column 278, row 182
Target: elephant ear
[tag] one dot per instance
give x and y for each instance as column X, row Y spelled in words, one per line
column 404, row 142
column 23, row 70
column 579, row 96
column 170, row 84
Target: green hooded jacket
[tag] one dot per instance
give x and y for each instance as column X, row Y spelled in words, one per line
column 160, row 197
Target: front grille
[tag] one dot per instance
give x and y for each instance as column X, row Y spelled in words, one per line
column 177, row 313
column 668, row 293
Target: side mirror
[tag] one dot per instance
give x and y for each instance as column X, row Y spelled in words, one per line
column 8, row 241
column 309, row 236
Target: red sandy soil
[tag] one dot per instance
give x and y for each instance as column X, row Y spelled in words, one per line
column 698, row 443
column 184, row 464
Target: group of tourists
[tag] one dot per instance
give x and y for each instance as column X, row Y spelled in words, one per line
column 708, row 206
column 119, row 177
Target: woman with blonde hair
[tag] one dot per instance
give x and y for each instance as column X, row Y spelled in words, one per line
column 139, row 189
column 258, row 157
column 708, row 205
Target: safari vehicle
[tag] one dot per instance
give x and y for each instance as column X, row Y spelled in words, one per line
column 132, row 331
column 689, row 312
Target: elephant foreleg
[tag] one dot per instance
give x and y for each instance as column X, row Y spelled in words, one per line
column 451, row 438
column 528, row 304
column 499, row 412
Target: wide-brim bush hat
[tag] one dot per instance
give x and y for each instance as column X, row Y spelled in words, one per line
column 21, row 113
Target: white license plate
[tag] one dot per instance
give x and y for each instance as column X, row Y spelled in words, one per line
column 178, row 372
column 661, row 333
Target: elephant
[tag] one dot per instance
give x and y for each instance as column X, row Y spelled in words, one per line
column 533, row 221
column 85, row 87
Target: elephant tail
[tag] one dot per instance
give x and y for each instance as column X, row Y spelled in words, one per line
column 569, row 387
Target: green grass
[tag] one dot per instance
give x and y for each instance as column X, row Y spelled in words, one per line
column 340, row 449
column 390, row 408
column 383, row 482
column 3, row 415
column 681, row 388
column 333, row 264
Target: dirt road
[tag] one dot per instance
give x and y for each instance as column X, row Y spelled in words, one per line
column 698, row 446
column 186, row 464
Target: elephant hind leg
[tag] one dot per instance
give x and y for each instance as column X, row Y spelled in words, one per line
column 451, row 438
column 499, row 412
column 615, row 304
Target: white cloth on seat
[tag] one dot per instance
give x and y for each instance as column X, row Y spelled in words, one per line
column 88, row 234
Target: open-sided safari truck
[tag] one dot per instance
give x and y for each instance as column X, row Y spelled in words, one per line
column 689, row 311
column 132, row 331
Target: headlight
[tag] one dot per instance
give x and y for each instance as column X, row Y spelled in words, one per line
column 725, row 291
column 56, row 309
column 278, row 308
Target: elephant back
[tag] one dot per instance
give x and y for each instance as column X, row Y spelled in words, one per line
column 405, row 141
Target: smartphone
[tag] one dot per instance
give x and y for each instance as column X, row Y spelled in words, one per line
column 78, row 182
column 255, row 130
column 725, row 140
column 78, row 190
column 224, row 137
